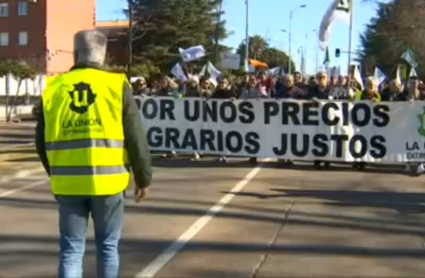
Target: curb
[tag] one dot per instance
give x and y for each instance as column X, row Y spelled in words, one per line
column 21, row 174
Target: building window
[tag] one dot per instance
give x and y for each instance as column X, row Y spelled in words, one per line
column 4, row 10
column 4, row 39
column 23, row 38
column 22, row 8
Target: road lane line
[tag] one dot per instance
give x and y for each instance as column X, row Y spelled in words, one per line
column 21, row 174
column 22, row 188
column 157, row 264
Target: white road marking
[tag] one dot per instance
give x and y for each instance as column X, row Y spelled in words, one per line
column 21, row 174
column 156, row 265
column 22, row 188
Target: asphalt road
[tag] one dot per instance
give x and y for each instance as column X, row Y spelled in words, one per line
column 207, row 219
column 12, row 135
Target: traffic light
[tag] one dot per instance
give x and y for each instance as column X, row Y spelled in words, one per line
column 337, row 52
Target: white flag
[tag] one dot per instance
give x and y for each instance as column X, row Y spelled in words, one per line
column 274, row 71
column 379, row 76
column 230, row 61
column 338, row 10
column 178, row 73
column 413, row 73
column 192, row 53
column 358, row 77
column 399, row 75
column 410, row 57
column 214, row 73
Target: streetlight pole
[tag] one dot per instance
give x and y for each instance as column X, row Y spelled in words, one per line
column 246, row 37
column 290, row 43
column 351, row 9
column 305, row 54
column 290, row 35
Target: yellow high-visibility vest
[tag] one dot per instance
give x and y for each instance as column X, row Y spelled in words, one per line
column 84, row 135
column 360, row 95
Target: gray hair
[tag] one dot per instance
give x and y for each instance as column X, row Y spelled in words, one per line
column 90, row 47
column 372, row 80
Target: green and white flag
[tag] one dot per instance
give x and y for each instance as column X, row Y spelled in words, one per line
column 339, row 10
column 327, row 59
column 410, row 57
column 343, row 5
column 401, row 73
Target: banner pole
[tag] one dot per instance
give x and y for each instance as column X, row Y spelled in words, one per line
column 350, row 35
column 246, row 62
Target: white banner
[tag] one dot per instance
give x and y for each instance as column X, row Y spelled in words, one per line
column 300, row 130
column 230, row 61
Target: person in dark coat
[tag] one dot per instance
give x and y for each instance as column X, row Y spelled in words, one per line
column 393, row 92
column 298, row 80
column 289, row 89
column 140, row 87
column 320, row 91
column 223, row 90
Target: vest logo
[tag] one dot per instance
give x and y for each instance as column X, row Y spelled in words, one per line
column 82, row 97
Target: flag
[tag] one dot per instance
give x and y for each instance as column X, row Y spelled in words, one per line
column 274, row 71
column 379, row 76
column 358, row 77
column 213, row 72
column 327, row 57
column 413, row 73
column 410, row 57
column 192, row 53
column 338, row 10
column 401, row 73
column 178, row 73
column 230, row 61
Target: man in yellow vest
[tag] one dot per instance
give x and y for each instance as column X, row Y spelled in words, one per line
column 89, row 134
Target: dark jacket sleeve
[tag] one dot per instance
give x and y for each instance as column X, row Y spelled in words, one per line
column 135, row 140
column 39, row 139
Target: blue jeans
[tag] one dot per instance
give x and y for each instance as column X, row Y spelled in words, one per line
column 107, row 213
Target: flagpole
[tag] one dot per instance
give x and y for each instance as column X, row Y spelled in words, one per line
column 246, row 62
column 350, row 35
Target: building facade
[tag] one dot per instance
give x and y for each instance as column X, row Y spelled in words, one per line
column 117, row 33
column 41, row 32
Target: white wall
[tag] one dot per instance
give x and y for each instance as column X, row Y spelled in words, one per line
column 31, row 87
column 17, row 110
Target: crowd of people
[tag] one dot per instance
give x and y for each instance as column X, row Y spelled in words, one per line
column 320, row 87
column 294, row 86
